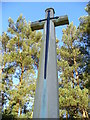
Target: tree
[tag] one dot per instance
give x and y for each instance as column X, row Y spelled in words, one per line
column 84, row 35
column 71, row 94
column 21, row 49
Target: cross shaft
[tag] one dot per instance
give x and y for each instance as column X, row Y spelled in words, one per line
column 46, row 96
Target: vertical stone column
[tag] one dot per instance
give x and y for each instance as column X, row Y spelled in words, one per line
column 52, row 78
column 46, row 97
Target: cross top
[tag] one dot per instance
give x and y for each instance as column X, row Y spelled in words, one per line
column 52, row 12
column 58, row 20
column 50, row 9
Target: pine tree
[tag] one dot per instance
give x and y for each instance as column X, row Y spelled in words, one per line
column 84, row 35
column 71, row 96
column 20, row 59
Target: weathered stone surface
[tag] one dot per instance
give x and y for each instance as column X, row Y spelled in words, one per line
column 46, row 98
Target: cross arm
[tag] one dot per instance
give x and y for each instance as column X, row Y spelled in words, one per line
column 59, row 20
column 37, row 25
column 62, row 20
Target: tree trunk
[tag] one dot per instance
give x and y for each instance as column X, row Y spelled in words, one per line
column 20, row 111
column 18, row 42
column 77, row 77
column 17, row 106
column 72, row 80
column 21, row 74
column 66, row 114
column 85, row 114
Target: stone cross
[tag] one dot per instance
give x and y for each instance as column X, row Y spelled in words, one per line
column 46, row 103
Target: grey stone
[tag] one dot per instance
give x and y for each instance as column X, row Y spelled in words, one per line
column 46, row 103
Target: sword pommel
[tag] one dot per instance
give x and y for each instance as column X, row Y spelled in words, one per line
column 50, row 9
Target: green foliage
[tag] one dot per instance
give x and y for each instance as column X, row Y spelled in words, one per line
column 84, row 33
column 21, row 55
column 73, row 97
